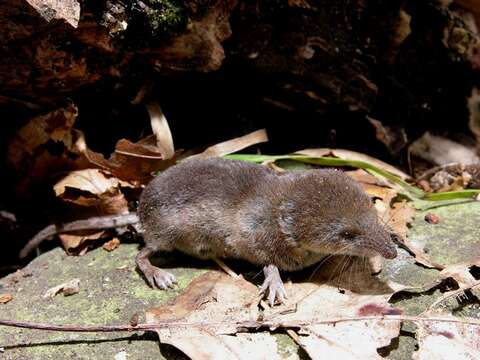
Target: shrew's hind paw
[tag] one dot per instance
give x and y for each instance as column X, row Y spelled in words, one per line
column 274, row 284
column 158, row 278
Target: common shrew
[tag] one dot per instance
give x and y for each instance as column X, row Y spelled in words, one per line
column 219, row 208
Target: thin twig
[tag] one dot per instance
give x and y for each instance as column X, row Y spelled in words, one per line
column 225, row 268
column 96, row 222
column 253, row 324
column 449, row 295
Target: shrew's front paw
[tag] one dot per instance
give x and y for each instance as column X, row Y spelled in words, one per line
column 274, row 284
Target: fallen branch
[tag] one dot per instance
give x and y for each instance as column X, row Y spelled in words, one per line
column 94, row 223
column 247, row 324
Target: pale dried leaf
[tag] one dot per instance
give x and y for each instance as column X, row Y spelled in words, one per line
column 94, row 181
column 221, row 301
column 233, row 145
column 439, row 150
column 161, row 130
column 461, row 274
column 67, row 288
column 349, row 340
column 353, row 155
column 442, row 340
column 68, row 10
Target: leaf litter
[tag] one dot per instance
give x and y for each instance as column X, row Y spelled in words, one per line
column 224, row 300
column 219, row 304
column 342, row 287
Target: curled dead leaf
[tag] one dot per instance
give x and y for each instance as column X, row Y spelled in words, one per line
column 93, row 187
column 233, row 145
column 461, row 273
column 133, row 162
column 341, row 340
column 72, row 242
column 67, row 288
column 55, row 125
column 353, row 155
column 218, row 299
column 161, row 130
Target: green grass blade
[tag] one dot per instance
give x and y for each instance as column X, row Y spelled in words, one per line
column 409, row 190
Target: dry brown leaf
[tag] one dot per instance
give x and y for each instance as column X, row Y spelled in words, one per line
column 71, row 242
column 299, row 3
column 460, row 273
column 112, row 244
column 403, row 29
column 216, row 303
column 393, row 139
column 349, row 340
column 401, row 214
column 33, row 160
column 68, row 10
column 134, row 162
column 365, row 177
column 67, row 288
column 233, row 145
column 397, row 215
column 93, row 187
column 5, row 298
column 222, row 301
column 55, row 125
column 353, row 155
column 442, row 340
column 145, row 148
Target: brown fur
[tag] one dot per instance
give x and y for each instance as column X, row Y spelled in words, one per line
column 234, row 209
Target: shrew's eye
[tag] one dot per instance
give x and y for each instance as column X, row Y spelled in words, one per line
column 347, row 234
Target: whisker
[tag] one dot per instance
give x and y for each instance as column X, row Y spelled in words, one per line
column 334, row 272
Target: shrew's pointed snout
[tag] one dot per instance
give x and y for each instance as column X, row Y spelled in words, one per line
column 390, row 251
column 388, row 248
column 382, row 245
